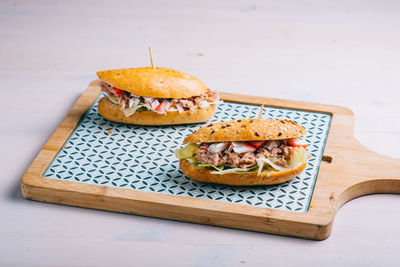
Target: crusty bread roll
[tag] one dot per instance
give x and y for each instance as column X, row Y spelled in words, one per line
column 154, row 82
column 246, row 130
column 238, row 131
column 265, row 178
column 112, row 112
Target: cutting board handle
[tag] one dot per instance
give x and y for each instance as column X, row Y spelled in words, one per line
column 368, row 172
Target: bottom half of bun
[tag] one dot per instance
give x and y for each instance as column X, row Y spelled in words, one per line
column 112, row 112
column 265, row 178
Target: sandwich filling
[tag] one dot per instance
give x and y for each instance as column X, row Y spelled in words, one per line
column 246, row 157
column 130, row 103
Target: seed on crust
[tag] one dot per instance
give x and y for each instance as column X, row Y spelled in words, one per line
column 258, row 130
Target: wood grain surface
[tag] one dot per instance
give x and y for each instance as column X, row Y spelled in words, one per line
column 353, row 171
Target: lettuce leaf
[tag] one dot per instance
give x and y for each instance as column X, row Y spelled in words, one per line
column 218, row 168
column 130, row 111
column 114, row 99
column 298, row 157
column 192, row 160
column 187, row 151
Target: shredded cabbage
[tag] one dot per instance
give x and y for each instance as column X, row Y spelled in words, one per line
column 261, row 162
column 260, row 166
column 114, row 99
column 130, row 111
column 298, row 157
column 205, row 103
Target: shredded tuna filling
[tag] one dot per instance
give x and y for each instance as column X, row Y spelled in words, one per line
column 160, row 105
column 279, row 150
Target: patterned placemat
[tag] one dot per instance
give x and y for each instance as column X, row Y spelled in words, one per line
column 142, row 158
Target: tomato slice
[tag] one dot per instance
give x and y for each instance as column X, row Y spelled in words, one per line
column 203, row 147
column 297, row 142
column 117, row 91
column 249, row 145
column 257, row 144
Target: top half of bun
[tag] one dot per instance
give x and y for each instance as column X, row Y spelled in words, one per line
column 246, row 130
column 154, row 82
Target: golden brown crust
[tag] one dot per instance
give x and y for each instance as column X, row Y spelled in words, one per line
column 112, row 112
column 157, row 82
column 246, row 130
column 265, row 178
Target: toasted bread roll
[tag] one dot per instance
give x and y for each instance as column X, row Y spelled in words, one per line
column 112, row 112
column 155, row 96
column 157, row 82
column 245, row 152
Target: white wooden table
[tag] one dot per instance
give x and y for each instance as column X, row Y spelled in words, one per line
column 333, row 52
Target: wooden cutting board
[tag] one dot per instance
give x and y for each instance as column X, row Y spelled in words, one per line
column 347, row 170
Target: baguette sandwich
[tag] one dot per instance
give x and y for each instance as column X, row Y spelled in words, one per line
column 155, row 96
column 245, row 152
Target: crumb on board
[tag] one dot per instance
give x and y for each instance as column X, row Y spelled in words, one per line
column 109, row 132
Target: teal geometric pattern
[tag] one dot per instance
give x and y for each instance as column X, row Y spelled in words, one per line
column 142, row 158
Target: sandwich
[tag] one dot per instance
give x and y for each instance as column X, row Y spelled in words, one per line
column 155, row 96
column 245, row 152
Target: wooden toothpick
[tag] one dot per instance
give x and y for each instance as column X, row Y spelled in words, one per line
column 151, row 58
column 261, row 111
